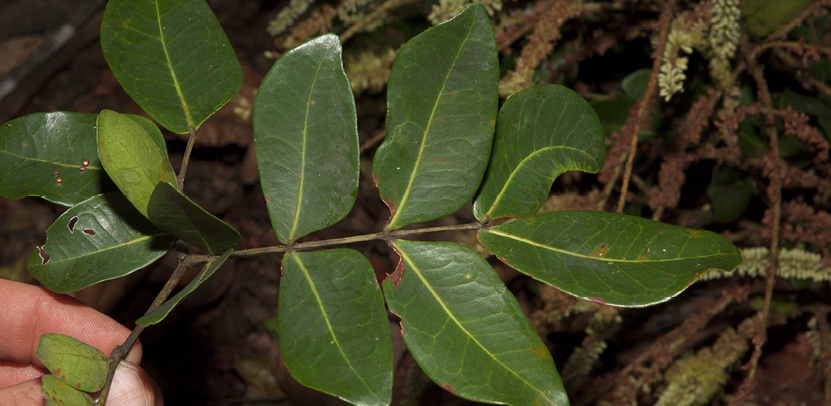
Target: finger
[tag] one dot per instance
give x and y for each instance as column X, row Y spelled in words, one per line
column 30, row 311
column 23, row 394
column 131, row 386
column 12, row 373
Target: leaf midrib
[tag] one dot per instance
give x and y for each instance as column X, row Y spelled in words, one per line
column 400, row 206
column 124, row 244
column 61, row 164
column 589, row 257
column 302, row 182
column 331, row 329
column 141, row 167
column 522, row 163
column 170, row 67
column 459, row 324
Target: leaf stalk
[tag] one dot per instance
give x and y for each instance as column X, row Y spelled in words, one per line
column 121, row 351
column 186, row 159
column 193, row 260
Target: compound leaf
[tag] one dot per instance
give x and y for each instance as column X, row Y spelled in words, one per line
column 541, row 132
column 131, row 158
column 173, row 212
column 74, row 362
column 306, row 139
column 333, row 330
column 441, row 110
column 162, row 311
column 54, row 155
column 58, row 393
column 172, row 58
column 99, row 239
column 467, row 332
column 609, row 258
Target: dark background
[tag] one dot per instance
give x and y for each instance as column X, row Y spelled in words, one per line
column 217, row 349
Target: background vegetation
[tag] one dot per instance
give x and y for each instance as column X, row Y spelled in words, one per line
column 718, row 116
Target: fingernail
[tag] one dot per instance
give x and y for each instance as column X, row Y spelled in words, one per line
column 128, row 387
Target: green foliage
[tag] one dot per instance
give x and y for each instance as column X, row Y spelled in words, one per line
column 819, row 107
column 101, row 238
column 162, row 311
column 58, row 393
column 462, row 325
column 609, row 258
column 173, row 212
column 333, row 330
column 306, row 139
column 466, row 330
column 532, row 147
column 54, row 156
column 131, row 159
column 163, row 52
column 79, row 365
column 764, row 17
column 730, row 194
column 441, row 109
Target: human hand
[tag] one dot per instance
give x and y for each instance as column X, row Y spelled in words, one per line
column 27, row 312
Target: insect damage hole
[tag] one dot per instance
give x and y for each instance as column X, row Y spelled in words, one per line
column 88, row 231
column 71, row 224
column 44, row 257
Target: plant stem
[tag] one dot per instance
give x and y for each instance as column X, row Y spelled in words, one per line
column 382, row 235
column 378, row 13
column 122, row 350
column 643, row 104
column 186, row 159
column 187, row 261
column 372, row 141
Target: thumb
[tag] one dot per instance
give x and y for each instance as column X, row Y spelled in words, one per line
column 23, row 394
column 132, row 387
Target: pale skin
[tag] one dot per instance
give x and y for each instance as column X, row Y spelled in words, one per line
column 27, row 312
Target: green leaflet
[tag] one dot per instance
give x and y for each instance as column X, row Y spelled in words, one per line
column 173, row 212
column 306, row 139
column 162, row 311
column 58, row 393
column 55, row 156
column 466, row 330
column 131, row 158
column 609, row 258
column 101, row 238
column 441, row 110
column 541, row 132
column 172, row 58
column 74, row 362
column 333, row 330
